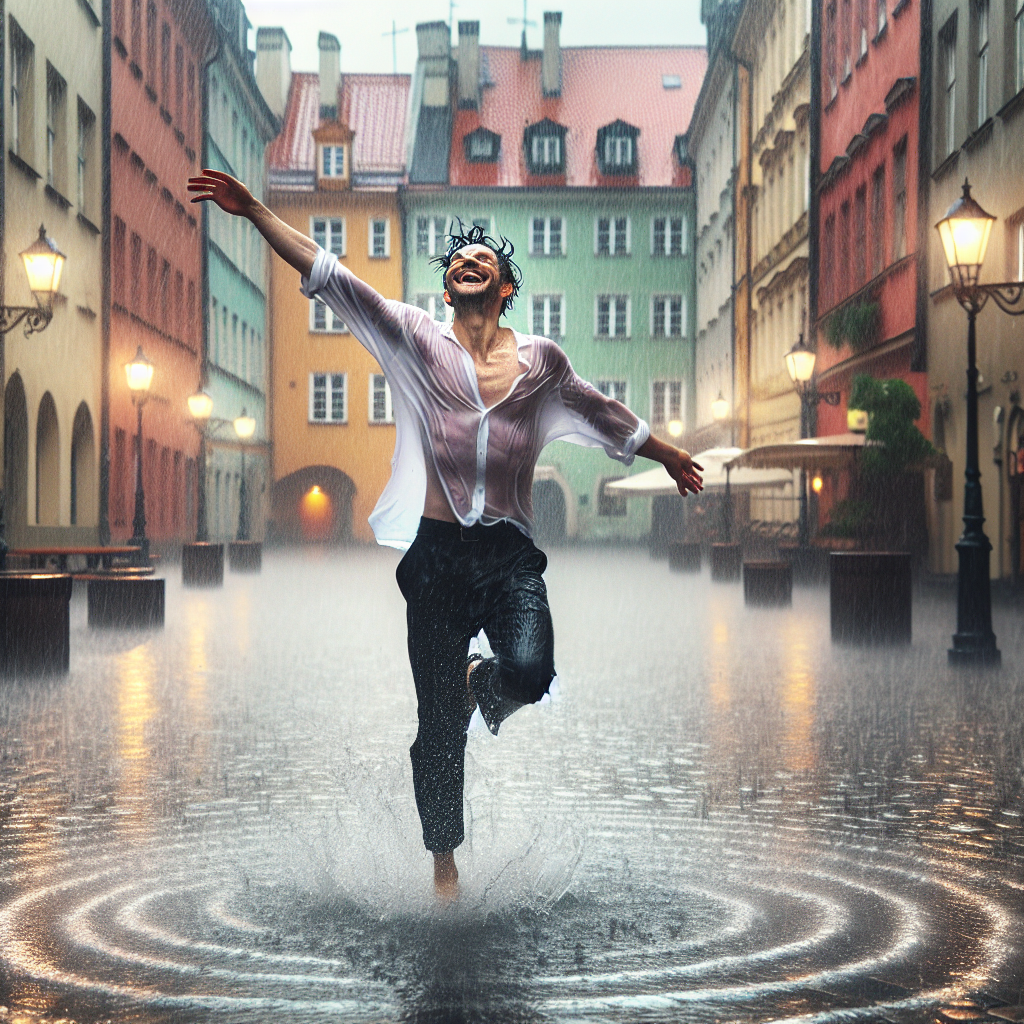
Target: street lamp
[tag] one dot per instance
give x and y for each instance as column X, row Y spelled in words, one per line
column 44, row 264
column 200, row 406
column 245, row 427
column 720, row 408
column 964, row 232
column 800, row 362
column 140, row 377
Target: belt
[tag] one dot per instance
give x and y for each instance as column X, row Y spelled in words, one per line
column 477, row 533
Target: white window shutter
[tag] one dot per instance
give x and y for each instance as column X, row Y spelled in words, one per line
column 629, row 316
column 387, row 238
column 682, row 329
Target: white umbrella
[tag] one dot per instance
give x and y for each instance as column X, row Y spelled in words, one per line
column 656, row 481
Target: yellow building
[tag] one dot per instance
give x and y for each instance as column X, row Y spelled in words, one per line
column 333, row 174
column 52, row 176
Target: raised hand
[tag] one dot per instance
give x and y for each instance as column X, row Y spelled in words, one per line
column 227, row 192
column 684, row 471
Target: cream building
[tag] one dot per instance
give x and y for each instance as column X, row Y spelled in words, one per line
column 52, row 176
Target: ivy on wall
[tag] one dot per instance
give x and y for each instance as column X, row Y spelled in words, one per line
column 856, row 325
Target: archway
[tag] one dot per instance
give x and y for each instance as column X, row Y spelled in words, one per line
column 549, row 519
column 84, row 503
column 313, row 505
column 15, row 460
column 47, row 463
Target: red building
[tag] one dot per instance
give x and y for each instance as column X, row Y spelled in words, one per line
column 159, row 52
column 871, row 255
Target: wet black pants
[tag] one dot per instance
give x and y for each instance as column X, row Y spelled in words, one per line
column 456, row 581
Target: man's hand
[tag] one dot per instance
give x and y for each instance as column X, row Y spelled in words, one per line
column 227, row 192
column 679, row 464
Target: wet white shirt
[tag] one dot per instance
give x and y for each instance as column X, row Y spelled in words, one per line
column 484, row 457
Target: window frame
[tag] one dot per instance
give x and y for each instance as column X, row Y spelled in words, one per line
column 437, row 299
column 657, row 423
column 545, row 298
column 333, row 324
column 329, row 419
column 613, row 235
column 668, row 297
column 340, row 251
column 371, row 224
column 947, row 71
column 982, row 11
column 333, row 148
column 613, row 311
column 666, row 252
column 435, row 240
column 607, row 386
column 546, row 248
column 389, row 409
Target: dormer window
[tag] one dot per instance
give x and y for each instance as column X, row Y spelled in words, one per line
column 481, row 146
column 616, row 148
column 544, row 146
column 333, row 155
column 332, row 161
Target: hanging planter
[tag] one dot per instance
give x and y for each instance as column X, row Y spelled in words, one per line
column 856, row 325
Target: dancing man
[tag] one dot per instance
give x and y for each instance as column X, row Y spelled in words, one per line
column 474, row 404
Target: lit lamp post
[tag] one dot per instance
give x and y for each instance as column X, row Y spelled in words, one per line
column 140, row 377
column 44, row 265
column 965, row 232
column 245, row 427
column 800, row 363
column 200, row 406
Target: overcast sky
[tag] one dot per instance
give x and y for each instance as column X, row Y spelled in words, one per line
column 364, row 26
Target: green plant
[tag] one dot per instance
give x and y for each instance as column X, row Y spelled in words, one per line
column 855, row 325
column 850, row 518
column 892, row 407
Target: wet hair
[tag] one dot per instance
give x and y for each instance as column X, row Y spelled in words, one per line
column 504, row 250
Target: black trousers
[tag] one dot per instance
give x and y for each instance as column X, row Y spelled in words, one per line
column 456, row 581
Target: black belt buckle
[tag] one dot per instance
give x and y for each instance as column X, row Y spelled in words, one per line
column 464, row 538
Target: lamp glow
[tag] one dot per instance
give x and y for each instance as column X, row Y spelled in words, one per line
column 800, row 363
column 964, row 232
column 139, row 373
column 200, row 406
column 44, row 265
column 675, row 428
column 817, row 483
column 245, row 426
column 720, row 407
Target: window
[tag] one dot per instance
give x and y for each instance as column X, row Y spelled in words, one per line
column 863, row 27
column 380, row 399
column 56, row 134
column 899, row 200
column 136, row 272
column 481, row 146
column 613, row 389
column 981, row 23
column 329, row 234
column 22, row 61
column 671, row 81
column 668, row 236
column 380, row 238
column 430, row 236
column 86, row 133
column 332, row 161
column 544, row 147
column 546, row 236
column 612, row 236
column 846, row 18
column 152, row 283
column 136, row 31
column 323, row 319
column 830, row 53
column 546, row 150
column 667, row 312
column 117, row 252
column 327, row 398
column 1018, row 39
column 842, row 262
column 860, row 240
column 613, row 316
column 434, row 304
column 618, row 152
column 546, row 315
column 666, row 403
column 613, row 503
column 948, row 48
column 878, row 220
column 484, row 223
column 177, row 321
column 165, row 294
column 617, row 148
column 881, row 16
column 151, row 21
column 179, row 81
column 828, row 257
column 165, row 64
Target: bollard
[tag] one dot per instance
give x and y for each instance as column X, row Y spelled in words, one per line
column 684, row 557
column 202, row 565
column 726, row 562
column 35, row 623
column 767, row 584
column 245, row 555
column 870, row 597
column 126, row 602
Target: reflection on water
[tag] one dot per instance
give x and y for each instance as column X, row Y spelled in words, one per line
column 724, row 818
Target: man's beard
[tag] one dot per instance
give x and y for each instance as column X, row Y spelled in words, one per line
column 477, row 302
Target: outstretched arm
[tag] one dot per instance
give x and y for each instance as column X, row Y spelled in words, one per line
column 233, row 197
column 680, row 466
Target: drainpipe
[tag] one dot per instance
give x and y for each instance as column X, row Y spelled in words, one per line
column 107, row 295
column 3, row 279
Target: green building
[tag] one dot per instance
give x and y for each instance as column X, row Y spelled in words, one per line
column 238, row 127
column 594, row 192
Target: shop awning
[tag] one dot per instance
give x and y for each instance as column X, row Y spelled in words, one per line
column 814, row 453
column 654, row 482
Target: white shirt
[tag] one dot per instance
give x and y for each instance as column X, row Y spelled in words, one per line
column 484, row 457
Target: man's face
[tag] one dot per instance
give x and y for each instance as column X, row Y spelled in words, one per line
column 474, row 276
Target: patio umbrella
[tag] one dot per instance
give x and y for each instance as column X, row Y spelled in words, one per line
column 812, row 453
column 654, row 482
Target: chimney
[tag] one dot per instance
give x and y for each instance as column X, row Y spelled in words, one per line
column 469, row 65
column 274, row 67
column 330, row 75
column 433, row 41
column 551, row 63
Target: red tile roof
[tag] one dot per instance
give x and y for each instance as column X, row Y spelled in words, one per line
column 373, row 106
column 599, row 85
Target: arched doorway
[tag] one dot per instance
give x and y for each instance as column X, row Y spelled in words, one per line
column 84, row 503
column 313, row 506
column 15, row 461
column 47, row 464
column 548, row 512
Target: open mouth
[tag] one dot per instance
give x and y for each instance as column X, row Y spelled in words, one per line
column 469, row 277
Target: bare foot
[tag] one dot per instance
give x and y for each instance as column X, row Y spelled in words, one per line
column 446, row 877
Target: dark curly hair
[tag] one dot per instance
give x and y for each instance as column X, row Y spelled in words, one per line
column 504, row 250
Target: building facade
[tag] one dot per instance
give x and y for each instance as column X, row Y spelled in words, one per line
column 239, row 126
column 159, row 53
column 52, row 381
column 593, row 188
column 333, row 173
column 973, row 60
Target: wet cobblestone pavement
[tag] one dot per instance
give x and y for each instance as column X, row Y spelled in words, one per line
column 724, row 817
